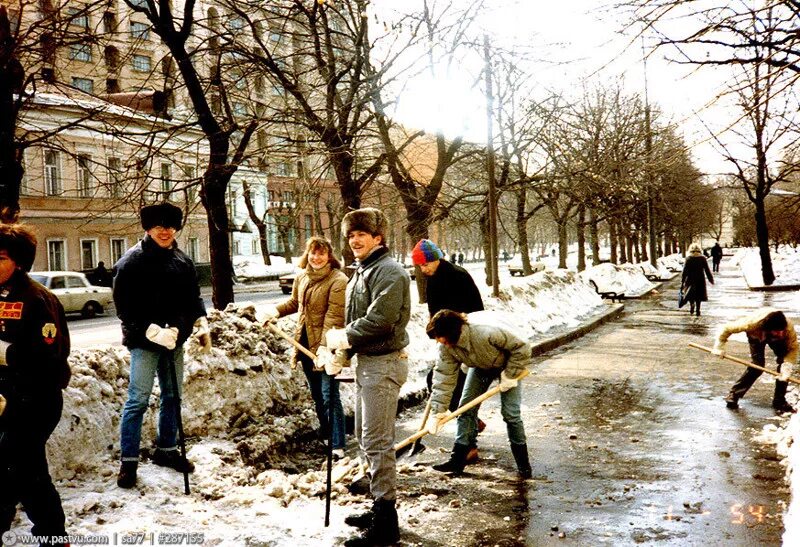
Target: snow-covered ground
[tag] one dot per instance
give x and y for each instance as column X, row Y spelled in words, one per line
column 243, row 405
column 785, row 265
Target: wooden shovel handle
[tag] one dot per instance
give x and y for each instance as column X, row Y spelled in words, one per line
column 293, row 342
column 457, row 412
column 743, row 362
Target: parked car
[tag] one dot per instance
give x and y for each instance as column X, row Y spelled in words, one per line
column 285, row 282
column 515, row 267
column 75, row 292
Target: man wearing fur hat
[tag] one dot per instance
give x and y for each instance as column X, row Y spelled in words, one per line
column 158, row 301
column 449, row 287
column 378, row 304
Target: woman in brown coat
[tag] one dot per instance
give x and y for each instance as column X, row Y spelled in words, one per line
column 318, row 297
column 693, row 280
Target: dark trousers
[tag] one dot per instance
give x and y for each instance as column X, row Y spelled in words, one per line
column 24, row 474
column 746, row 380
column 715, row 264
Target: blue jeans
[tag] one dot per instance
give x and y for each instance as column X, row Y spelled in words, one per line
column 325, row 393
column 477, row 383
column 145, row 364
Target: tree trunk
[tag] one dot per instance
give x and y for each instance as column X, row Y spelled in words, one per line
column 581, row 239
column 487, row 252
column 594, row 236
column 612, row 237
column 762, row 234
column 562, row 243
column 522, row 231
column 11, row 78
column 212, row 195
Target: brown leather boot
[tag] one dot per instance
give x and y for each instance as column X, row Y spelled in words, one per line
column 472, row 456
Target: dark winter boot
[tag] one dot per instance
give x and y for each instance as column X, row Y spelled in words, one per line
column 472, row 456
column 457, row 461
column 171, row 458
column 520, row 452
column 360, row 486
column 127, row 474
column 362, row 520
column 384, row 529
column 779, row 399
column 731, row 400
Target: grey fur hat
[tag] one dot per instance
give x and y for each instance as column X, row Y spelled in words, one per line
column 366, row 219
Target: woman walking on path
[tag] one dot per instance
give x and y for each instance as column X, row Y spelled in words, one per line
column 693, row 281
column 318, row 296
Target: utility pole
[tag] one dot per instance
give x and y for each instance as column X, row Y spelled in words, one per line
column 490, row 170
column 648, row 147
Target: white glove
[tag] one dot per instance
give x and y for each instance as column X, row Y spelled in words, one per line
column 507, row 382
column 324, row 360
column 166, row 337
column 337, row 339
column 719, row 349
column 268, row 315
column 434, row 423
column 203, row 334
column 786, row 372
column 2, row 405
column 3, row 350
column 464, row 368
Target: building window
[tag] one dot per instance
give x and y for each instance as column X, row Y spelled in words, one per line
column 141, row 63
column 84, row 84
column 52, row 173
column 84, row 176
column 109, row 22
column 239, row 110
column 80, row 52
column 118, row 247
column 193, row 249
column 166, row 180
column 254, row 250
column 139, row 3
column 274, row 36
column 78, row 17
column 288, row 196
column 56, row 255
column 140, row 31
column 112, row 85
column 309, row 226
column 282, row 169
column 114, row 177
column 24, row 188
column 88, row 254
column 235, row 23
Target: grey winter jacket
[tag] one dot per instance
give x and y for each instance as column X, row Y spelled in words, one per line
column 488, row 342
column 378, row 305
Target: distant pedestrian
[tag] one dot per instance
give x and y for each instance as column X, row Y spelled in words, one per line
column 101, row 275
column 34, row 346
column 766, row 327
column 449, row 287
column 716, row 256
column 693, row 279
column 487, row 344
column 318, row 298
column 453, row 258
column 158, row 302
column 460, row 258
column 378, row 308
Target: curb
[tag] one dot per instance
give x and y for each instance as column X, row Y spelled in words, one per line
column 550, row 343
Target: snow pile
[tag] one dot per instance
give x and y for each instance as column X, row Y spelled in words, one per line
column 785, row 265
column 791, row 449
column 625, row 278
column 662, row 272
column 673, row 262
column 245, row 381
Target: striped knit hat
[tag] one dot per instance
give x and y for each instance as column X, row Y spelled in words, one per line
column 425, row 251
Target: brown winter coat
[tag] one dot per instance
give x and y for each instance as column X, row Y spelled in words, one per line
column 318, row 296
column 752, row 326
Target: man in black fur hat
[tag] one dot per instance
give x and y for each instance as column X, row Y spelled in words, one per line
column 157, row 297
column 378, row 305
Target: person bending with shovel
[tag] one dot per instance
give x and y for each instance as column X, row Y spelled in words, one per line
column 491, row 350
column 766, row 327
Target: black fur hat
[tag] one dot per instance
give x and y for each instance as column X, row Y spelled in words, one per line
column 366, row 219
column 161, row 214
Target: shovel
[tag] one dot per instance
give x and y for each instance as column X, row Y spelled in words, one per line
column 416, row 447
column 293, row 342
column 457, row 412
column 743, row 362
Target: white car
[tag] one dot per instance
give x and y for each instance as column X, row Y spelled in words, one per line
column 75, row 292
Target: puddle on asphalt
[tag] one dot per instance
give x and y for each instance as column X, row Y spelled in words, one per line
column 606, row 402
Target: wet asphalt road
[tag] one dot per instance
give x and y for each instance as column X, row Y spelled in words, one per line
column 630, row 441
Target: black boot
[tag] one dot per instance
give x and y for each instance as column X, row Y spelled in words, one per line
column 384, row 529
column 731, row 400
column 520, row 452
column 172, row 459
column 362, row 520
column 457, row 461
column 127, row 474
column 779, row 399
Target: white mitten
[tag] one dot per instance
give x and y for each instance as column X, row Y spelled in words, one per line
column 203, row 334
column 337, row 339
column 435, row 422
column 268, row 315
column 2, row 405
column 507, row 382
column 719, row 349
column 3, row 350
column 464, row 368
column 786, row 372
column 166, row 337
column 324, row 360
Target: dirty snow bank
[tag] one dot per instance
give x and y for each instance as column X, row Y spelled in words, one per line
column 619, row 278
column 791, row 450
